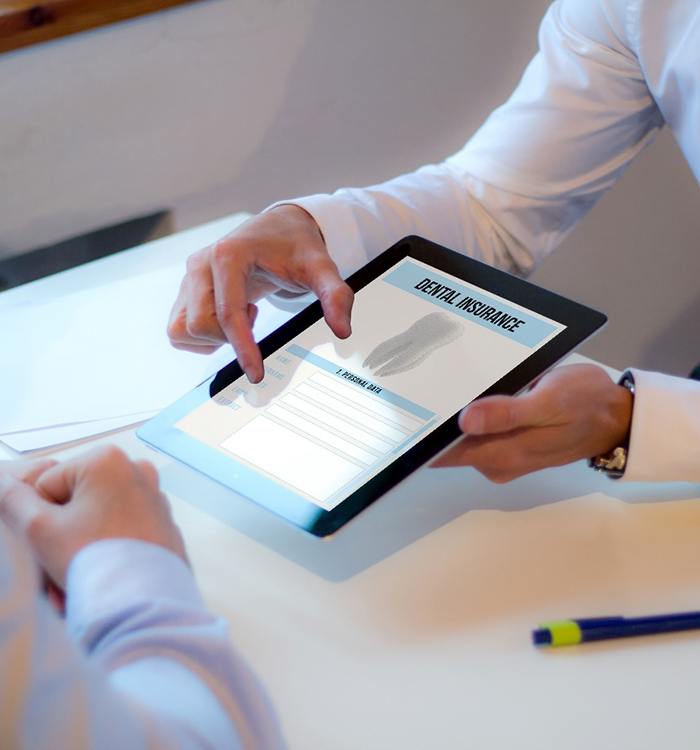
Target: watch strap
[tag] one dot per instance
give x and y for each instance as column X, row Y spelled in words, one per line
column 614, row 462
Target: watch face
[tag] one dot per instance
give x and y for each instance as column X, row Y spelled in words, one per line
column 627, row 381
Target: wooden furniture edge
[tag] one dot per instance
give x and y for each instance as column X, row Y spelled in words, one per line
column 23, row 23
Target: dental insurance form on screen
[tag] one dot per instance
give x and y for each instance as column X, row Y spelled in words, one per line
column 330, row 414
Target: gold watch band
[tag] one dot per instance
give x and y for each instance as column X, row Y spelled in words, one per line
column 614, row 463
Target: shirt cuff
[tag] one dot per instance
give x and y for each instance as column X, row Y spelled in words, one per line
column 665, row 435
column 113, row 576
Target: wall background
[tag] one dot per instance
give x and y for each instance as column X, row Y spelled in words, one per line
column 223, row 106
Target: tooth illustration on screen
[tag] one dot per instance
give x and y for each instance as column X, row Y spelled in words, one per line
column 412, row 347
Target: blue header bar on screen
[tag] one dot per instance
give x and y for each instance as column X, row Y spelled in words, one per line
column 477, row 307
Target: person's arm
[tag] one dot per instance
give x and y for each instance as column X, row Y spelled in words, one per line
column 580, row 114
column 577, row 412
column 665, row 431
column 140, row 662
column 572, row 412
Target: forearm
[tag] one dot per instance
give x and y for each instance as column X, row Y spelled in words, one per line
column 137, row 612
column 147, row 666
column 439, row 202
column 578, row 117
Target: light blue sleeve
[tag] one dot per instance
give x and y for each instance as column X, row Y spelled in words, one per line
column 139, row 663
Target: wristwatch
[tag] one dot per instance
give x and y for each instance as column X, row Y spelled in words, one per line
column 614, row 463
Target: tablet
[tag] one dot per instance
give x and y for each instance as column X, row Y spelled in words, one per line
column 335, row 424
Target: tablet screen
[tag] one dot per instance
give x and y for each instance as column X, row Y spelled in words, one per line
column 330, row 415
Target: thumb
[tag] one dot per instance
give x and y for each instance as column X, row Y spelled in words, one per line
column 500, row 414
column 20, row 504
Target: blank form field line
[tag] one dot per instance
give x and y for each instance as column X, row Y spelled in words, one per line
column 340, row 419
column 393, row 413
column 361, row 439
column 342, row 398
column 322, row 436
column 334, row 405
column 281, row 452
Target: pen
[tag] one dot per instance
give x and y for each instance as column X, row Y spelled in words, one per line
column 572, row 632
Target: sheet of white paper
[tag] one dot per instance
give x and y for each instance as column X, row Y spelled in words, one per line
column 100, row 353
column 33, row 440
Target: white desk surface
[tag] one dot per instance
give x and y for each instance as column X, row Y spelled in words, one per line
column 411, row 627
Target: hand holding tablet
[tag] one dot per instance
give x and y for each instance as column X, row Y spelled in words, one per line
column 571, row 413
column 335, row 424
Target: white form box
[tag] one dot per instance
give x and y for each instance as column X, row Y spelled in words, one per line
column 326, row 424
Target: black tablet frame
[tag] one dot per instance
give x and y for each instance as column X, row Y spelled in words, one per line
column 580, row 321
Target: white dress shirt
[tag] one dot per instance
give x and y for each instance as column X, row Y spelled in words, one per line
column 139, row 662
column 607, row 76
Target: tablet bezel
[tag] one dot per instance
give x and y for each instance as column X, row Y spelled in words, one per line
column 580, row 321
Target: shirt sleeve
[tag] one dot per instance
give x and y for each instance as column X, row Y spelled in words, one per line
column 665, row 436
column 139, row 663
column 580, row 114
